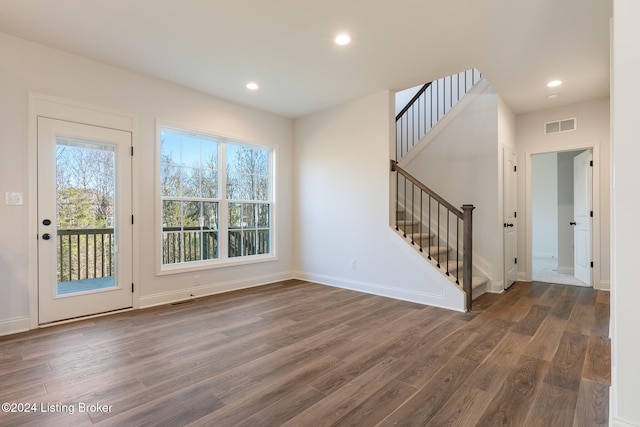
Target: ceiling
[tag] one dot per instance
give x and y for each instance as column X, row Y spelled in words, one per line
column 287, row 47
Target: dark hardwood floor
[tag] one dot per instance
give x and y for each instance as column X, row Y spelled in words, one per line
column 301, row 354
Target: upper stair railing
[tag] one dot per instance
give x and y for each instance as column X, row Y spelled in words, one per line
column 428, row 106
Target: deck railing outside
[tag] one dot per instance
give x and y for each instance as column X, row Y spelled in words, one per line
column 85, row 253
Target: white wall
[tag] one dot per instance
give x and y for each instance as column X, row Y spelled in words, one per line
column 462, row 164
column 592, row 131
column 403, row 97
column 342, row 186
column 25, row 67
column 544, row 200
column 625, row 392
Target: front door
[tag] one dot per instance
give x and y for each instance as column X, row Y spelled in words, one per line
column 84, row 220
column 582, row 184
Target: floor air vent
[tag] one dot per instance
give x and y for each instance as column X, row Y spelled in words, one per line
column 184, row 301
column 565, row 125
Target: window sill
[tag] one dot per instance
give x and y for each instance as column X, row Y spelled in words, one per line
column 213, row 264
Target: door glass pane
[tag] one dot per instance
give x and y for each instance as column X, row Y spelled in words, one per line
column 85, row 206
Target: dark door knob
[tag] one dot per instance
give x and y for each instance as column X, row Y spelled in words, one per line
column 46, row 236
column 509, row 224
column 572, row 223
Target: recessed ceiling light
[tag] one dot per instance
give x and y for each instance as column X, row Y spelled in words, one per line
column 343, row 39
column 554, row 83
column 253, row 86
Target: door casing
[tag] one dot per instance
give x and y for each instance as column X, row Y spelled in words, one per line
column 64, row 109
column 595, row 230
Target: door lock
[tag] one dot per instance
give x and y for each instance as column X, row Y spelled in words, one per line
column 573, row 223
column 46, row 222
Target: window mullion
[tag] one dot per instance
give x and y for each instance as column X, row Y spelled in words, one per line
column 223, row 229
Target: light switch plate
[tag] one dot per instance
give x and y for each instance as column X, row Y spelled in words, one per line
column 12, row 198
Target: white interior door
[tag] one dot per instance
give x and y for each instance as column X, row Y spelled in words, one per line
column 582, row 192
column 84, row 220
column 510, row 223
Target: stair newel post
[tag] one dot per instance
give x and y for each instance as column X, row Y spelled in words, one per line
column 467, row 258
column 393, row 169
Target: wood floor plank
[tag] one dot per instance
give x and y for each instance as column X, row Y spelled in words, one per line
column 424, row 404
column 545, row 342
column 565, row 369
column 550, row 297
column 464, row 408
column 563, row 307
column 284, row 409
column 602, row 315
column 552, row 406
column 376, row 407
column 592, row 408
column 510, row 406
column 299, row 353
column 597, row 365
column 421, row 370
column 531, row 322
column 484, row 344
column 502, row 359
column 338, row 404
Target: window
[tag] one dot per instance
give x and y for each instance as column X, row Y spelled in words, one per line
column 216, row 199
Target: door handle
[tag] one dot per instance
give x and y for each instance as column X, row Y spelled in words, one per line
column 46, row 236
column 572, row 223
column 508, row 224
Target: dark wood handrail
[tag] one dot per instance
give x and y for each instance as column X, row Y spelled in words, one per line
column 414, row 180
column 413, row 100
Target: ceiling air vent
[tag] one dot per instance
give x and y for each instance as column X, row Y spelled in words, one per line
column 565, row 125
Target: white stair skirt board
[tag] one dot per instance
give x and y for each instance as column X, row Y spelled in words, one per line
column 479, row 284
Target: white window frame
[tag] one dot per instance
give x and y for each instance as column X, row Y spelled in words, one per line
column 223, row 259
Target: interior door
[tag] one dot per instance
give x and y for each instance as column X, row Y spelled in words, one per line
column 84, row 220
column 582, row 209
column 510, row 223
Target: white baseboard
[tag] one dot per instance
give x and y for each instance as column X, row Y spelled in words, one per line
column 211, row 289
column 496, row 287
column 617, row 422
column 604, row 285
column 442, row 300
column 15, row 325
column 548, row 255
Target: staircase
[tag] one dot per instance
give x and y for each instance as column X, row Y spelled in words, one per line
column 438, row 254
column 436, row 229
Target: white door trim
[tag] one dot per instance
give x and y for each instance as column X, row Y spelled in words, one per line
column 509, row 216
column 64, row 109
column 595, row 232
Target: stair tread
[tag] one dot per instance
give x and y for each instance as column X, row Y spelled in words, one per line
column 420, row 237
column 435, row 250
column 477, row 281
